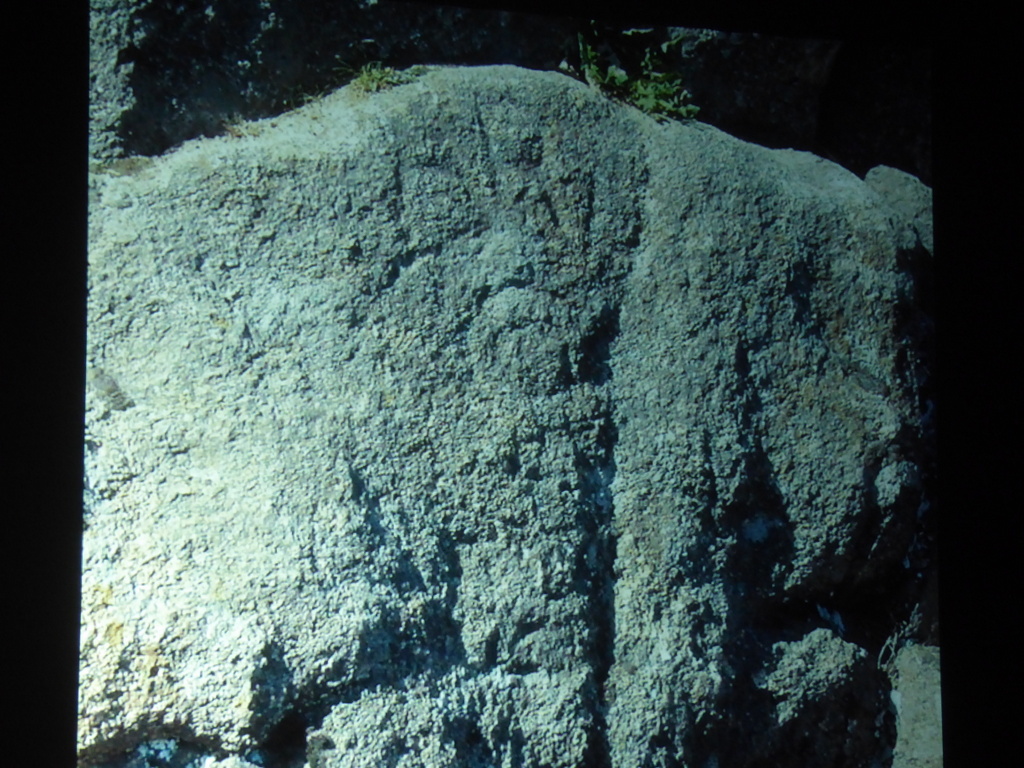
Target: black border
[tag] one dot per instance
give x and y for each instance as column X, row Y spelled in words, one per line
column 976, row 201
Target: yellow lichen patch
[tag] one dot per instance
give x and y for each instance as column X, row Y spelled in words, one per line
column 151, row 664
column 102, row 595
column 123, row 166
column 114, row 634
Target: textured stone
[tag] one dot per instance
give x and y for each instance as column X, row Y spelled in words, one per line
column 485, row 421
column 917, row 697
column 911, row 198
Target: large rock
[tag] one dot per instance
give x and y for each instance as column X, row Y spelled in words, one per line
column 485, row 421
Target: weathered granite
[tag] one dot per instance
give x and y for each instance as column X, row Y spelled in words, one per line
column 485, row 421
column 917, row 699
column 913, row 201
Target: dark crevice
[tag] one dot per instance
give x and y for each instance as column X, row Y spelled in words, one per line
column 587, row 222
column 491, row 649
column 746, row 389
column 758, row 561
column 522, row 667
column 662, row 747
column 755, row 521
column 595, row 568
column 470, row 744
column 402, row 262
column 186, row 749
column 285, row 746
column 511, row 459
column 545, row 199
column 390, row 656
column 272, row 684
column 360, row 495
column 763, row 536
column 563, row 377
column 594, row 359
column 388, row 651
column 798, row 289
column 698, row 565
column 480, row 295
column 917, row 368
column 595, row 473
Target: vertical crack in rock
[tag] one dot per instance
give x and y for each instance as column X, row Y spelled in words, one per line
column 747, row 394
column 597, row 562
column 757, row 562
column 596, row 472
column 594, row 364
column 799, row 284
column 755, row 521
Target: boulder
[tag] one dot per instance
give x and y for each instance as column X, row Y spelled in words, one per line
column 487, row 421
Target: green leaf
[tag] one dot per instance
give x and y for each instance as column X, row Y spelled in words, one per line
column 616, row 76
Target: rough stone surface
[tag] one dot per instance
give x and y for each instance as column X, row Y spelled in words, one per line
column 487, row 422
column 917, row 699
column 912, row 200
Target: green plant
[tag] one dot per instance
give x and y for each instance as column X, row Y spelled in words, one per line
column 374, row 77
column 656, row 92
